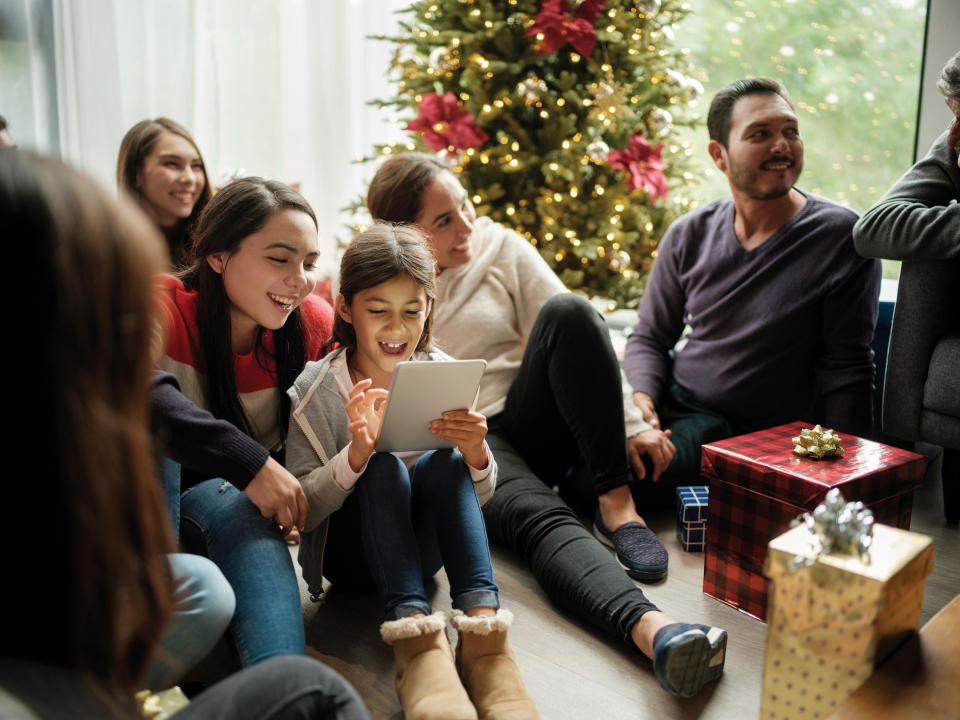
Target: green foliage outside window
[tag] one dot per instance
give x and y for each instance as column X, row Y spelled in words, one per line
column 852, row 68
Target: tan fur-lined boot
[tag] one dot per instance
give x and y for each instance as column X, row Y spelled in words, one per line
column 427, row 681
column 489, row 669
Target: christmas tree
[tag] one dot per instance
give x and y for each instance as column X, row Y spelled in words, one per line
column 560, row 118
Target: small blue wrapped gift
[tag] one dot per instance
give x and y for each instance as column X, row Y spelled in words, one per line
column 692, row 517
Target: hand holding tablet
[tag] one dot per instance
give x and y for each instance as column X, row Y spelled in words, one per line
column 421, row 392
column 466, row 429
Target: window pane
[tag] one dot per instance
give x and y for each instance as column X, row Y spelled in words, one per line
column 852, row 68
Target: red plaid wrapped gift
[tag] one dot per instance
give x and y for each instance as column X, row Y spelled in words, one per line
column 758, row 485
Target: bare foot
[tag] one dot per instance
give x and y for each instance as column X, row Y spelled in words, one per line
column 481, row 612
column 646, row 627
column 617, row 508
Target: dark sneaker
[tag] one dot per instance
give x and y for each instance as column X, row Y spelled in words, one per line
column 637, row 547
column 686, row 657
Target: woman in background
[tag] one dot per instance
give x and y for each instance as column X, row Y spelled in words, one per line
column 161, row 167
column 87, row 535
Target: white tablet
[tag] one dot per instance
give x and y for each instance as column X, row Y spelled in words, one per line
column 421, row 391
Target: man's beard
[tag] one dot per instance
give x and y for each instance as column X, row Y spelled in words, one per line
column 746, row 180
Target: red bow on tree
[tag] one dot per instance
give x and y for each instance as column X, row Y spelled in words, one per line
column 559, row 26
column 644, row 165
column 445, row 124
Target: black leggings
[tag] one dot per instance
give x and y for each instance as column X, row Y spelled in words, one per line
column 289, row 687
column 564, row 408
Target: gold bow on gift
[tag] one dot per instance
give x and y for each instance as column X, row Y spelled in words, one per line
column 817, row 443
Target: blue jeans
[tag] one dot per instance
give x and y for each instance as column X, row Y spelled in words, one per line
column 170, row 478
column 203, row 605
column 409, row 524
column 218, row 521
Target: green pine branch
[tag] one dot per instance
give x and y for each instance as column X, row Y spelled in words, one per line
column 552, row 119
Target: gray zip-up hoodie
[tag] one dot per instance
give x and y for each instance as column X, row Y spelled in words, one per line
column 317, row 432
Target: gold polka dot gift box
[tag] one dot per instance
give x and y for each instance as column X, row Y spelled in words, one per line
column 833, row 617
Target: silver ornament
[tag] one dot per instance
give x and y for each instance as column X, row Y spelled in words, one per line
column 598, row 150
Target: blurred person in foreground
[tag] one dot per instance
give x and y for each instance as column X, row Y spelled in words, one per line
column 88, row 534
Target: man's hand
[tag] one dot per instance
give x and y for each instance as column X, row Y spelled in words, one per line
column 654, row 443
column 647, row 407
column 279, row 496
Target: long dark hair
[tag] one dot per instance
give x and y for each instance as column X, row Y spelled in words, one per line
column 135, row 147
column 87, row 531
column 377, row 255
column 236, row 212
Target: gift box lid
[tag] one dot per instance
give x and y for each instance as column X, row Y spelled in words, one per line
column 764, row 462
column 892, row 549
column 692, row 503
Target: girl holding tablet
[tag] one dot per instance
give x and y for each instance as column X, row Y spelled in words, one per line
column 161, row 167
column 240, row 325
column 397, row 518
column 552, row 391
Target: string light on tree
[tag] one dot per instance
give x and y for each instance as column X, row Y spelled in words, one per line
column 556, row 87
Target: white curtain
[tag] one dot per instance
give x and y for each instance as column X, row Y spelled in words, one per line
column 270, row 87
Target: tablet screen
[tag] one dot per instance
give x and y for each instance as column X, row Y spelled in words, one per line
column 421, row 391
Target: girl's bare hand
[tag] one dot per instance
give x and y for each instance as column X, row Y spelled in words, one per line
column 365, row 410
column 466, row 429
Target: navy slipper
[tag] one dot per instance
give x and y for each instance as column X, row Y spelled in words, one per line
column 686, row 657
column 637, row 547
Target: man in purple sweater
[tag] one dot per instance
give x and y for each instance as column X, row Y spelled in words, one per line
column 758, row 310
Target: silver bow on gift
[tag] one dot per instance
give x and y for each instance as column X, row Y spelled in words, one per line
column 841, row 528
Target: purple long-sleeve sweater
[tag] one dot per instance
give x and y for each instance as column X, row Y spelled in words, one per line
column 758, row 335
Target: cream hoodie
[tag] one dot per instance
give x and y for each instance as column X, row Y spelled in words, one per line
column 486, row 309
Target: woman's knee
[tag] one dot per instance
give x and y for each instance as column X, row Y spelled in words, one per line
column 201, row 589
column 570, row 312
column 384, row 463
column 217, row 510
column 526, row 507
column 444, row 462
column 215, row 498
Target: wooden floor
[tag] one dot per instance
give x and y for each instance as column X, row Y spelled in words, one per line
column 574, row 672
